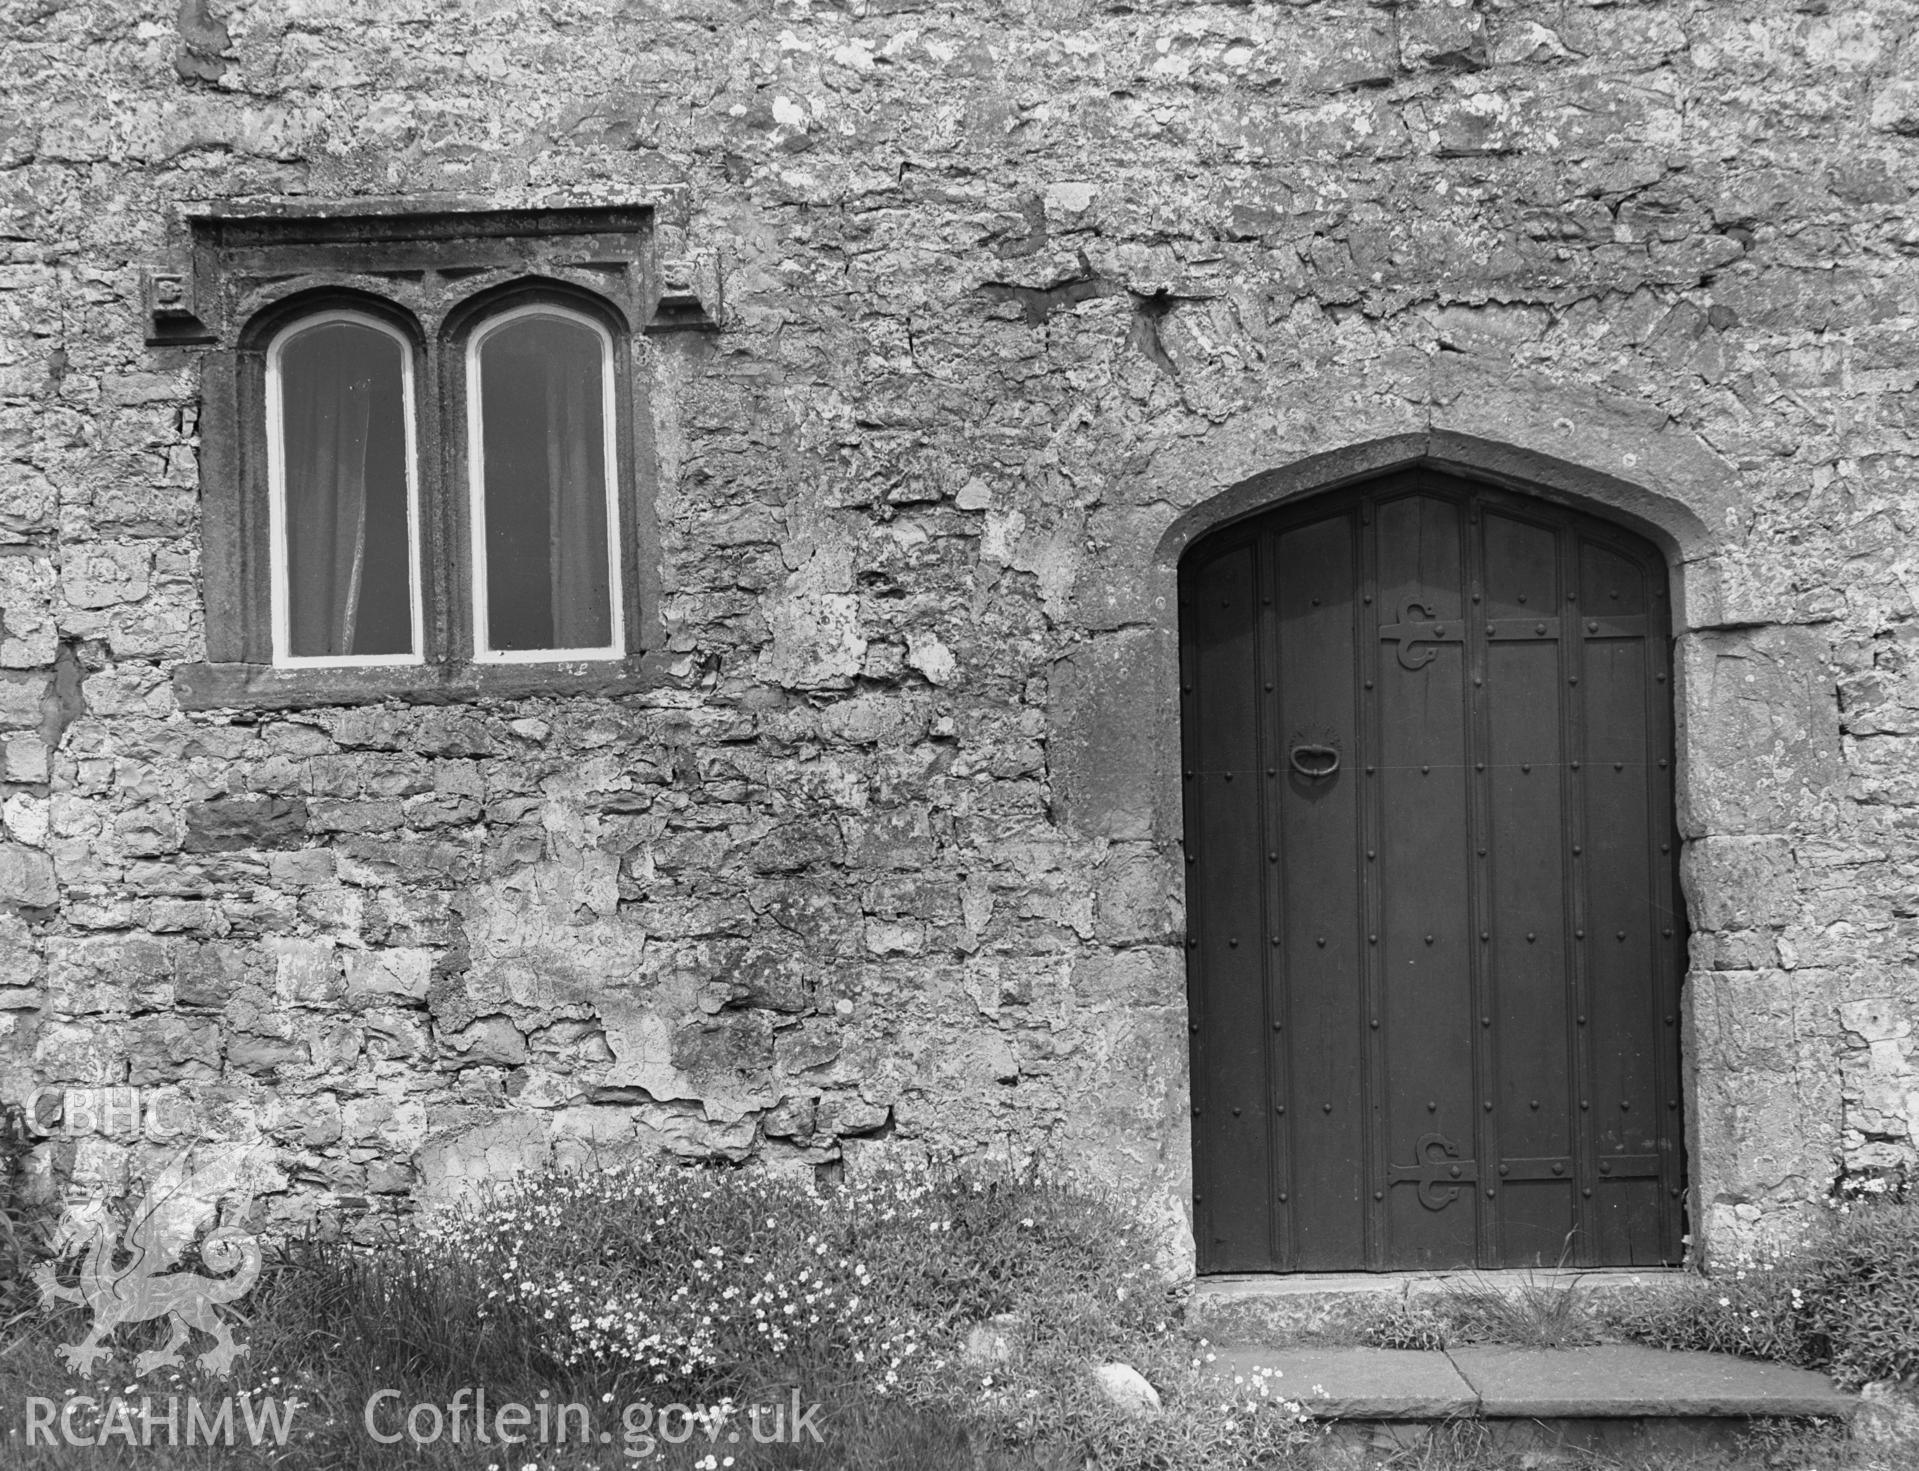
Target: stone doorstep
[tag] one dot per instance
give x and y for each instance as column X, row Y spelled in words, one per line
column 1359, row 1383
column 1612, row 1381
column 1416, row 1285
column 1255, row 1305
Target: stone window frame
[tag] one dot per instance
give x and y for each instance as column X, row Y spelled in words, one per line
column 473, row 503
column 437, row 278
column 278, row 517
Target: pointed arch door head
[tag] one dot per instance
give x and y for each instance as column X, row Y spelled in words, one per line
column 1434, row 940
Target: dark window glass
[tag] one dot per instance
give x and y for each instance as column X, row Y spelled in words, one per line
column 349, row 562
column 548, row 578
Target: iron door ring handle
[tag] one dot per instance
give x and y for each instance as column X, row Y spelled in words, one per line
column 1301, row 752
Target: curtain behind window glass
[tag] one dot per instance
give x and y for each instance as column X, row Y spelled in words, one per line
column 541, row 405
column 343, row 432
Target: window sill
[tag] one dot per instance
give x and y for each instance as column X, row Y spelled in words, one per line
column 264, row 687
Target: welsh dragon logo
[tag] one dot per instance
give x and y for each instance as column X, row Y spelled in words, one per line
column 125, row 1274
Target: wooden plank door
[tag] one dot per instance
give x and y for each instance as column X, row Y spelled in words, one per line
column 1434, row 940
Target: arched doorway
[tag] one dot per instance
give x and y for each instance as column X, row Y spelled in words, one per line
column 1435, row 935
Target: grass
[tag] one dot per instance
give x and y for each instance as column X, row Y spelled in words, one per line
column 1470, row 1445
column 623, row 1290
column 1530, row 1314
column 1843, row 1300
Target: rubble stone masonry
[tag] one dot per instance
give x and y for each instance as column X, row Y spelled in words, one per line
column 1014, row 298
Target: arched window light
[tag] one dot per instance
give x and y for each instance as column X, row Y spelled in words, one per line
column 545, row 519
column 343, row 495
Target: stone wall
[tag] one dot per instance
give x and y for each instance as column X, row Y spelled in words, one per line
column 1019, row 297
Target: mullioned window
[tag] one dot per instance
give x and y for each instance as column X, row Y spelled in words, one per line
column 425, row 455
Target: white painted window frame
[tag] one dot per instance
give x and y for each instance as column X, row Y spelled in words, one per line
column 483, row 652
column 276, row 497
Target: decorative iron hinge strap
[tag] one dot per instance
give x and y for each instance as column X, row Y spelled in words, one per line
column 1544, row 1167
column 1536, row 630
column 1416, row 636
column 1560, row 1167
column 1624, row 625
column 1628, row 1166
column 1439, row 1173
column 1531, row 630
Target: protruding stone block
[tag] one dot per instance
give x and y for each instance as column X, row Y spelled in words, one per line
column 26, row 877
column 109, row 974
column 264, row 1054
column 1740, row 883
column 498, row 1149
column 1103, row 757
column 373, row 975
column 171, row 1049
column 227, row 824
column 490, row 1041
column 1762, row 732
